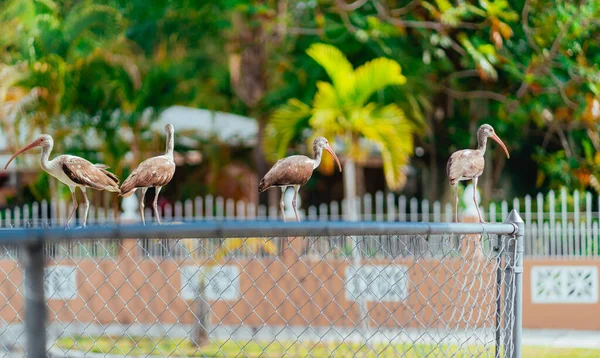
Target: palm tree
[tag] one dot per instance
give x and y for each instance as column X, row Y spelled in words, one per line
column 341, row 109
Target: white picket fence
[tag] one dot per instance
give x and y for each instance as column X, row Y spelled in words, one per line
column 553, row 229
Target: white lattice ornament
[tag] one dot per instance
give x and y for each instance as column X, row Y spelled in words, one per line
column 60, row 282
column 376, row 283
column 222, row 282
column 564, row 284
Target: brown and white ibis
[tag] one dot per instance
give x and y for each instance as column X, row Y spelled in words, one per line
column 468, row 164
column 295, row 171
column 72, row 171
column 153, row 172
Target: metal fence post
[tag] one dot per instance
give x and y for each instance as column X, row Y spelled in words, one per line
column 514, row 284
column 35, row 302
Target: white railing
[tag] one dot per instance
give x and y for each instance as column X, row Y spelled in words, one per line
column 555, row 226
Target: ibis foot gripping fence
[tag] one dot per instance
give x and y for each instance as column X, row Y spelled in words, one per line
column 263, row 289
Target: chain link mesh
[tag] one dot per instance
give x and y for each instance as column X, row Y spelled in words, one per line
column 441, row 295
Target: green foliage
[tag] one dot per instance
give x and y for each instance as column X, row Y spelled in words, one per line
column 527, row 68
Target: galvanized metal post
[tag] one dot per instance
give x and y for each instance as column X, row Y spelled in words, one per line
column 514, row 286
column 35, row 302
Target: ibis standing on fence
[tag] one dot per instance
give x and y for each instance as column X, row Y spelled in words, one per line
column 153, row 172
column 468, row 164
column 73, row 171
column 295, row 171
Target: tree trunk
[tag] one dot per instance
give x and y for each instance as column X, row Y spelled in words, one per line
column 202, row 313
column 350, row 189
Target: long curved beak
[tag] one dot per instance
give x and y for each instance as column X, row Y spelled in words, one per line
column 33, row 144
column 499, row 141
column 328, row 148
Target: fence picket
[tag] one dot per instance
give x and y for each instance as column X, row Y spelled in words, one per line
column 209, row 207
column 367, row 204
column 560, row 249
column 576, row 220
column 168, row 209
column 552, row 217
column 312, row 212
column 584, row 246
column 588, row 217
column 198, row 212
column 262, row 212
column 219, row 208
column 414, row 207
column 91, row 215
column 323, row 214
column 44, row 209
column 402, row 208
column 17, row 217
column 594, row 239
column 546, row 244
column 564, row 214
column 448, row 214
column 26, row 215
column 535, row 242
column 504, row 209
column 240, row 210
column 251, row 211
column 335, row 210
column 571, row 236
column 378, row 206
column 492, row 212
column 7, row 218
column 229, row 209
column 425, row 210
column 391, row 207
column 188, row 210
column 540, row 211
column 178, row 210
column 528, row 236
column 273, row 214
column 437, row 211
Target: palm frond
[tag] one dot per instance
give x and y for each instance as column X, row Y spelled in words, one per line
column 393, row 133
column 326, row 96
column 375, row 75
column 100, row 20
column 284, row 124
column 337, row 66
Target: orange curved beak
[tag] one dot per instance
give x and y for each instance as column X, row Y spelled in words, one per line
column 328, row 148
column 33, row 144
column 499, row 141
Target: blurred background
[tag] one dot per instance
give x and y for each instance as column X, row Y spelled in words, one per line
column 248, row 82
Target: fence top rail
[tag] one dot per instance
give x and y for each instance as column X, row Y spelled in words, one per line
column 226, row 229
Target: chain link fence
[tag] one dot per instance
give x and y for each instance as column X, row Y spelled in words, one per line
column 262, row 289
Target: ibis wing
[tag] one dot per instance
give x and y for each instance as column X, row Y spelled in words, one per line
column 294, row 170
column 152, row 172
column 85, row 173
column 464, row 164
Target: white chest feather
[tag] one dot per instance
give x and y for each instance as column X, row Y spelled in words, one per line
column 54, row 168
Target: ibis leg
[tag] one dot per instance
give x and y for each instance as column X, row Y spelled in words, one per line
column 455, row 187
column 281, row 206
column 475, row 198
column 143, row 196
column 154, row 205
column 296, row 188
column 72, row 214
column 86, row 204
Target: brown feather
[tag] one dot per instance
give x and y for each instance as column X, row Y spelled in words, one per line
column 152, row 172
column 294, row 170
column 465, row 164
column 85, row 173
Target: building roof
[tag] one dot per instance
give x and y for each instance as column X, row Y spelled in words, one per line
column 228, row 127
